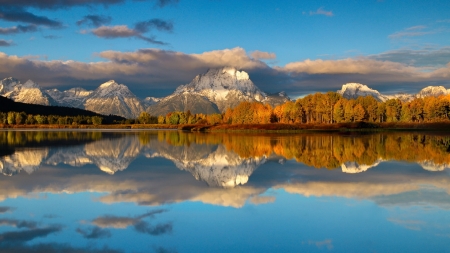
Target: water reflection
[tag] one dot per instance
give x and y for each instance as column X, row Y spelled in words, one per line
column 221, row 159
column 158, row 171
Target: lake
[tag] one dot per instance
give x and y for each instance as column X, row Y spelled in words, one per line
column 170, row 191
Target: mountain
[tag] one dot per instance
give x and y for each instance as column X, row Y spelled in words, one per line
column 226, row 87
column 432, row 91
column 211, row 92
column 29, row 92
column 221, row 87
column 276, row 98
column 114, row 98
column 355, row 90
column 148, row 101
column 74, row 97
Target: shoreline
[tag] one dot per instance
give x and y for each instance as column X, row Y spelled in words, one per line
column 272, row 127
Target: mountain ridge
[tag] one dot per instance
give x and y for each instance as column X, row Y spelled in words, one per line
column 211, row 92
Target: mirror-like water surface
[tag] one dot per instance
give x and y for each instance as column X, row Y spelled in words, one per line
column 169, row 191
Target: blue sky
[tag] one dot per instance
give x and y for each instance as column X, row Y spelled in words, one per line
column 297, row 46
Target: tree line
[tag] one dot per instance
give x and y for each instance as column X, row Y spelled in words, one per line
column 323, row 108
column 22, row 118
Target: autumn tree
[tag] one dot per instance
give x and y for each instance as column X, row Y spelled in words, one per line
column 359, row 113
column 393, row 110
column 348, row 111
column 144, row 118
column 338, row 112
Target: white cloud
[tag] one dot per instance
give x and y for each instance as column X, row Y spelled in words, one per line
column 322, row 11
column 414, row 31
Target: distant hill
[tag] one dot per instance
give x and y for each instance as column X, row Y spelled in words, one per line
column 7, row 105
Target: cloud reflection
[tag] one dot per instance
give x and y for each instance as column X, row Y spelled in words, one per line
column 94, row 233
column 18, row 223
column 28, row 235
column 5, row 209
column 138, row 222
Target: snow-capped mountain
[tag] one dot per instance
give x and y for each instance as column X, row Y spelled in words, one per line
column 432, row 91
column 109, row 98
column 355, row 90
column 29, row 92
column 148, row 101
column 224, row 87
column 114, row 98
column 75, row 97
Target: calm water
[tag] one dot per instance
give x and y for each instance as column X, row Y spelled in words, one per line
column 166, row 191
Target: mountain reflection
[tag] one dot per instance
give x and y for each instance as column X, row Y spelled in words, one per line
column 228, row 161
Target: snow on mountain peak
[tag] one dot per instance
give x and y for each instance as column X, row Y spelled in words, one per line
column 225, row 87
column 9, row 80
column 108, row 84
column 432, row 91
column 7, row 85
column 354, row 90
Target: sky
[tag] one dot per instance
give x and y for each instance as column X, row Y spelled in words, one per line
column 300, row 47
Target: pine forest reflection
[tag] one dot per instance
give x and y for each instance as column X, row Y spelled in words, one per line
column 159, row 173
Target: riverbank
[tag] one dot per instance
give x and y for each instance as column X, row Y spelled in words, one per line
column 112, row 126
column 274, row 127
column 356, row 126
